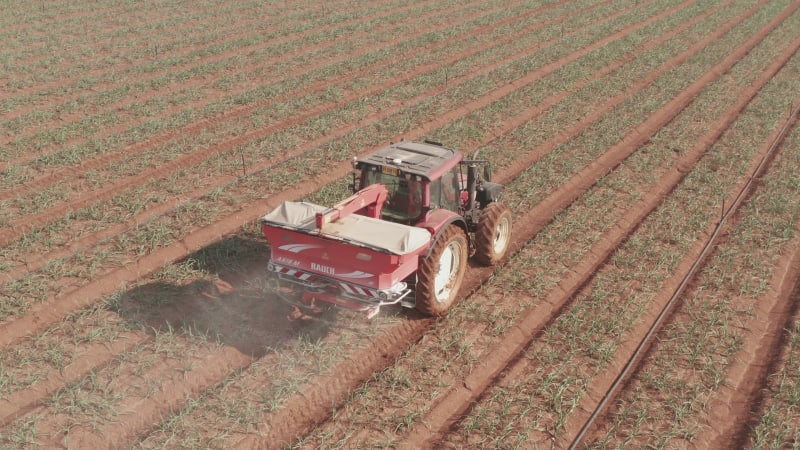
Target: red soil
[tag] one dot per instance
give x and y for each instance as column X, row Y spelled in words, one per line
column 182, row 379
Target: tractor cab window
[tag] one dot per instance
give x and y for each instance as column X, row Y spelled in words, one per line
column 404, row 200
column 445, row 191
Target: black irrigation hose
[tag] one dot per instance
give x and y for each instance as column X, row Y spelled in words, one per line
column 634, row 360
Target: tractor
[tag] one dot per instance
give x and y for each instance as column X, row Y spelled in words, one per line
column 417, row 213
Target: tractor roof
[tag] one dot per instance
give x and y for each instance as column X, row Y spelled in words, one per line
column 428, row 159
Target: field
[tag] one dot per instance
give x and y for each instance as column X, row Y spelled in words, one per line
column 650, row 153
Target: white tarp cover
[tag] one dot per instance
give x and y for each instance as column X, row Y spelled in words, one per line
column 394, row 237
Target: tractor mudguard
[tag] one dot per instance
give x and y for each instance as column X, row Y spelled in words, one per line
column 437, row 220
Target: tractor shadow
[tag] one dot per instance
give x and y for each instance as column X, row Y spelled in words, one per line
column 224, row 297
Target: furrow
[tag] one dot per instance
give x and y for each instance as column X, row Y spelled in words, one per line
column 194, row 241
column 238, row 112
column 218, row 57
column 540, row 215
column 741, row 358
column 63, row 121
column 696, row 255
column 155, row 20
column 30, row 222
column 89, row 358
column 457, row 400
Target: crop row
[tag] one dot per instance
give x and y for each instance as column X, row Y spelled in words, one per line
column 777, row 427
column 458, row 348
column 675, row 393
column 560, row 366
column 253, row 186
column 86, row 43
column 303, row 104
column 520, row 284
column 207, row 76
column 197, row 278
column 91, row 396
column 142, row 55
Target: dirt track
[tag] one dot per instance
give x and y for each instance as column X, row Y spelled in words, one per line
column 136, row 310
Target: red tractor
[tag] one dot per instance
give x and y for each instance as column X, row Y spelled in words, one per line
column 418, row 211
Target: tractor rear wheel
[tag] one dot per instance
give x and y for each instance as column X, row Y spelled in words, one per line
column 493, row 234
column 440, row 274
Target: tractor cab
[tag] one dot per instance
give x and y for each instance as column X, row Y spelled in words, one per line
column 417, row 213
column 419, row 177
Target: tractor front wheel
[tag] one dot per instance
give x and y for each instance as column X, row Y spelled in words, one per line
column 440, row 274
column 493, row 235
